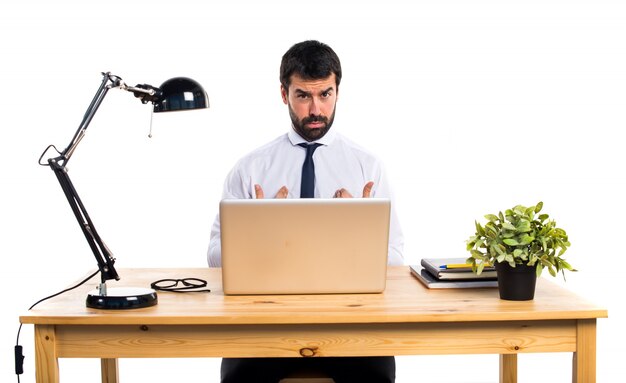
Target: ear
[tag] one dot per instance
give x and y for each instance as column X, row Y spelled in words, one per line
column 284, row 94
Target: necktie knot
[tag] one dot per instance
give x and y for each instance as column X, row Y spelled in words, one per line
column 307, row 185
column 310, row 148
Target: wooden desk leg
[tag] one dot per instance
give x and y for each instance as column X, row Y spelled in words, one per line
column 508, row 368
column 110, row 372
column 46, row 362
column 584, row 364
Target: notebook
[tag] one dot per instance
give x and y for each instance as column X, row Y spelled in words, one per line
column 304, row 246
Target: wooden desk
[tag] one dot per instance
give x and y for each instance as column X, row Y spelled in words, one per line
column 407, row 319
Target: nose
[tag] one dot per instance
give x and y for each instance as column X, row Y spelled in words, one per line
column 314, row 107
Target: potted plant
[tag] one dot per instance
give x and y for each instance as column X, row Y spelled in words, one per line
column 520, row 243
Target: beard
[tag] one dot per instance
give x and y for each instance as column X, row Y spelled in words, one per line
column 311, row 134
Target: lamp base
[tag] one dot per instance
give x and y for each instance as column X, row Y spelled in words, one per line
column 122, row 298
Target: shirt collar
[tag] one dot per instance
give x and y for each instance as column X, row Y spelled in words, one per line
column 295, row 138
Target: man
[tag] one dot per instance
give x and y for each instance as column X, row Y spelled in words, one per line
column 310, row 74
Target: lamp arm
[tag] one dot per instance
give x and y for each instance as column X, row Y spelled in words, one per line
column 146, row 93
column 103, row 255
column 108, row 81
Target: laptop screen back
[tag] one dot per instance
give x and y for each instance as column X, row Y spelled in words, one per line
column 304, row 246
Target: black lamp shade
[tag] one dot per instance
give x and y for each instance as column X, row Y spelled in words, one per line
column 181, row 93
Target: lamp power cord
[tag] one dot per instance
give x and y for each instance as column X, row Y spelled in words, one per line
column 19, row 355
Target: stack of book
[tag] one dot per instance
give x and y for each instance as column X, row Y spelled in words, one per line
column 444, row 273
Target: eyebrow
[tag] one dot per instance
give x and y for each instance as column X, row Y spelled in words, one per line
column 300, row 91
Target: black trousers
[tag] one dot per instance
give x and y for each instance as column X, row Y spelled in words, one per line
column 343, row 370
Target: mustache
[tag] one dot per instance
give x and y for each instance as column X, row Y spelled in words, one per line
column 310, row 119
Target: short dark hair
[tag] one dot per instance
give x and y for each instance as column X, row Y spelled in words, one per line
column 310, row 60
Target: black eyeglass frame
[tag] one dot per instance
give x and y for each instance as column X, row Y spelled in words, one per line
column 190, row 285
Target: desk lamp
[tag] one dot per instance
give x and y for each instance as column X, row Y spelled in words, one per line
column 178, row 93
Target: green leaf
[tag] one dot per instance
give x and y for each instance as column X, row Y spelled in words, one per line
column 510, row 242
column 480, row 268
column 566, row 265
column 476, row 254
column 523, row 226
column 538, row 207
column 525, row 239
column 530, row 212
column 500, row 249
column 508, row 226
column 491, row 217
column 479, row 229
column 551, row 270
column 491, row 231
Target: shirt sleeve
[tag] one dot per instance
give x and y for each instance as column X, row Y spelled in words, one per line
column 214, row 255
column 396, row 237
column 235, row 187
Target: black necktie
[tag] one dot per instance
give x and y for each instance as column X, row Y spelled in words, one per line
column 307, row 185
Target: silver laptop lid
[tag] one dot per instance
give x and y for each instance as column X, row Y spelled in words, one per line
column 304, row 246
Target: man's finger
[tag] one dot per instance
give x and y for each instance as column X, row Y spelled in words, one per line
column 367, row 190
column 282, row 192
column 343, row 193
column 258, row 191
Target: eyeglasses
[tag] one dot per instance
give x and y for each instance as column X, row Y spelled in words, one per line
column 189, row 285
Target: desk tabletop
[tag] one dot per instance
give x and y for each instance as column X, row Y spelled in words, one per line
column 404, row 300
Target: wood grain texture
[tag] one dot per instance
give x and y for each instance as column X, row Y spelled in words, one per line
column 404, row 300
column 314, row 341
column 46, row 362
column 109, row 370
column 508, row 368
column 584, row 364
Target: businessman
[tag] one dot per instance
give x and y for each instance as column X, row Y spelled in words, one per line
column 310, row 161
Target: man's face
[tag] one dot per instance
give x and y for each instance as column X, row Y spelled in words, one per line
column 311, row 105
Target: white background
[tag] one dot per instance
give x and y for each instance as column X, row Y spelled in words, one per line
column 474, row 106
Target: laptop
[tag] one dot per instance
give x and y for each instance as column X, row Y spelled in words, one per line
column 304, row 246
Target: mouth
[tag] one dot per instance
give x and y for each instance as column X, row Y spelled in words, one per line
column 315, row 125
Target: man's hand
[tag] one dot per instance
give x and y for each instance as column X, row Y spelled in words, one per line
column 367, row 191
column 282, row 192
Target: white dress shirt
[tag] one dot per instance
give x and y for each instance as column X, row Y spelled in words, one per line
column 339, row 163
